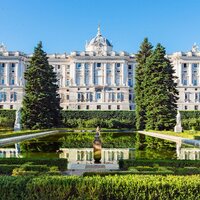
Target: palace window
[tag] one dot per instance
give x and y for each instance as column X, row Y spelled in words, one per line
column 98, row 107
column 78, row 65
column 196, row 107
column 87, row 107
column 130, row 67
column 118, row 107
column 13, row 96
column 2, row 96
column 118, row 65
column 98, row 95
column 12, row 81
column 109, row 107
column 187, row 97
column 13, row 67
column 130, row 82
column 11, row 107
column 186, row 107
column 98, row 64
column 67, row 82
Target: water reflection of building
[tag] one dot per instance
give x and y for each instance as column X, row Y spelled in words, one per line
column 189, row 154
column 8, row 153
column 85, row 155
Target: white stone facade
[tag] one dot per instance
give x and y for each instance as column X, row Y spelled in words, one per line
column 187, row 68
column 97, row 78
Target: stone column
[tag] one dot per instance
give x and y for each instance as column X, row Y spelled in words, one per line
column 92, row 74
column 17, row 73
column 7, row 73
column 179, row 68
column 64, row 75
column 83, row 73
column 113, row 73
column 198, row 81
column 190, row 73
column 73, row 72
column 123, row 74
column 105, row 74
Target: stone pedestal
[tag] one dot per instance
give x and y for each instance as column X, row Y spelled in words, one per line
column 178, row 129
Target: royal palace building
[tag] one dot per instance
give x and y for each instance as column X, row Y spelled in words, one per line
column 97, row 78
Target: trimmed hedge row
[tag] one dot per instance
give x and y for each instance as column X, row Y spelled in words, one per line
column 118, row 187
column 8, row 169
column 125, row 164
column 113, row 118
column 61, row 163
column 115, row 114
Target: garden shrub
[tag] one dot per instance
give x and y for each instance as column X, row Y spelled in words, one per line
column 110, row 187
column 125, row 164
column 61, row 163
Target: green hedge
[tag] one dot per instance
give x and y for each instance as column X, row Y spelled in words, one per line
column 61, row 163
column 106, row 119
column 118, row 187
column 125, row 164
column 117, row 114
column 8, row 169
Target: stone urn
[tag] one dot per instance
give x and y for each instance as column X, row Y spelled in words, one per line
column 97, row 145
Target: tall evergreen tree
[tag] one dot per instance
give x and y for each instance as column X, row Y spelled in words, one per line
column 160, row 91
column 41, row 103
column 141, row 57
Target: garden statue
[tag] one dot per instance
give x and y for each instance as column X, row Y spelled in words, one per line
column 17, row 125
column 97, row 145
column 178, row 128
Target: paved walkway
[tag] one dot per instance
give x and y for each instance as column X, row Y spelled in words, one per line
column 16, row 139
column 176, row 139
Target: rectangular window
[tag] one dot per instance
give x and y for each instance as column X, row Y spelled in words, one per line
column 118, row 107
column 79, row 107
column 12, row 82
column 78, row 65
column 67, row 97
column 2, row 96
column 2, row 81
column 109, row 107
column 185, row 107
column 11, row 106
column 184, row 82
column 118, row 64
column 130, row 83
column 98, row 95
column 67, row 82
column 98, row 107
column 195, row 82
column 196, row 107
column 98, row 64
column 1, row 106
column 87, row 107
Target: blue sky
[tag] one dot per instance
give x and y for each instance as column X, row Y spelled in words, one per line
column 65, row 25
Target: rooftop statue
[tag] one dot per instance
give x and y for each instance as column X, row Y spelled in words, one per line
column 195, row 48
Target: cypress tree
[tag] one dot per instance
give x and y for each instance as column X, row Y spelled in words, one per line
column 41, row 103
column 160, row 91
column 141, row 57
